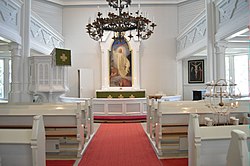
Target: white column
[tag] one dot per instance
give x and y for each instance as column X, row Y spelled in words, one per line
column 211, row 59
column 26, row 17
column 16, row 84
column 220, row 59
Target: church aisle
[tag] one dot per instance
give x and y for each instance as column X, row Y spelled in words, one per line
column 123, row 144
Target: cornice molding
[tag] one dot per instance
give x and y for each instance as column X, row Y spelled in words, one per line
column 101, row 2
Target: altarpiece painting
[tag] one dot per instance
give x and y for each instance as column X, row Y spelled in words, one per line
column 120, row 65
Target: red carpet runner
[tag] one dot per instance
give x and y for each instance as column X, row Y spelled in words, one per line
column 60, row 162
column 124, row 144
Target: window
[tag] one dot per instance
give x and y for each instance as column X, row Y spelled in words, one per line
column 237, row 71
column 1, row 78
column 5, row 76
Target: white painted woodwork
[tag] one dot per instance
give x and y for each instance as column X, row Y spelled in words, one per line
column 238, row 153
column 193, row 38
column 119, row 106
column 73, row 115
column 26, row 42
column 187, row 12
column 46, row 80
column 10, row 20
column 45, row 10
column 16, row 77
column 209, row 145
column 23, row 146
column 176, row 113
column 170, row 98
column 231, row 17
column 43, row 37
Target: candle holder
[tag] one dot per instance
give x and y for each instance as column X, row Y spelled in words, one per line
column 221, row 97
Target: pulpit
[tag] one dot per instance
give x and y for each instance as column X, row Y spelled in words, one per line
column 46, row 82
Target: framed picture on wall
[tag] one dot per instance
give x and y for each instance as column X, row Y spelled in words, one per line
column 196, row 71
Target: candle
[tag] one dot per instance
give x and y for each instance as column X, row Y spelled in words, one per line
column 237, row 103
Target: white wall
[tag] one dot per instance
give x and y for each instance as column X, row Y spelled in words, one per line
column 158, row 65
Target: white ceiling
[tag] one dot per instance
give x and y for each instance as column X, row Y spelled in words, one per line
column 103, row 2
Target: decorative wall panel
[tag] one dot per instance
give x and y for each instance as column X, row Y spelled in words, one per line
column 230, row 9
column 187, row 12
column 43, row 37
column 232, row 16
column 195, row 32
column 10, row 15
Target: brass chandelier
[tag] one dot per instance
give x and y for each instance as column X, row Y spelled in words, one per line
column 121, row 22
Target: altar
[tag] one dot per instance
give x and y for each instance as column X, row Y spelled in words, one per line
column 119, row 107
column 120, row 93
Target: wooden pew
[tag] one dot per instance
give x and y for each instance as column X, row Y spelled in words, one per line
column 23, row 146
column 151, row 111
column 168, row 124
column 238, row 153
column 208, row 145
column 87, row 115
column 152, row 105
column 168, row 127
column 64, row 124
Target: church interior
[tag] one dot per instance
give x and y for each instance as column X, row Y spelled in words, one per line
column 124, row 82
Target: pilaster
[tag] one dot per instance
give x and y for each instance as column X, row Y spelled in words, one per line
column 16, row 76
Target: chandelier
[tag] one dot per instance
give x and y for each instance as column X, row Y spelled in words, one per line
column 221, row 97
column 121, row 22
